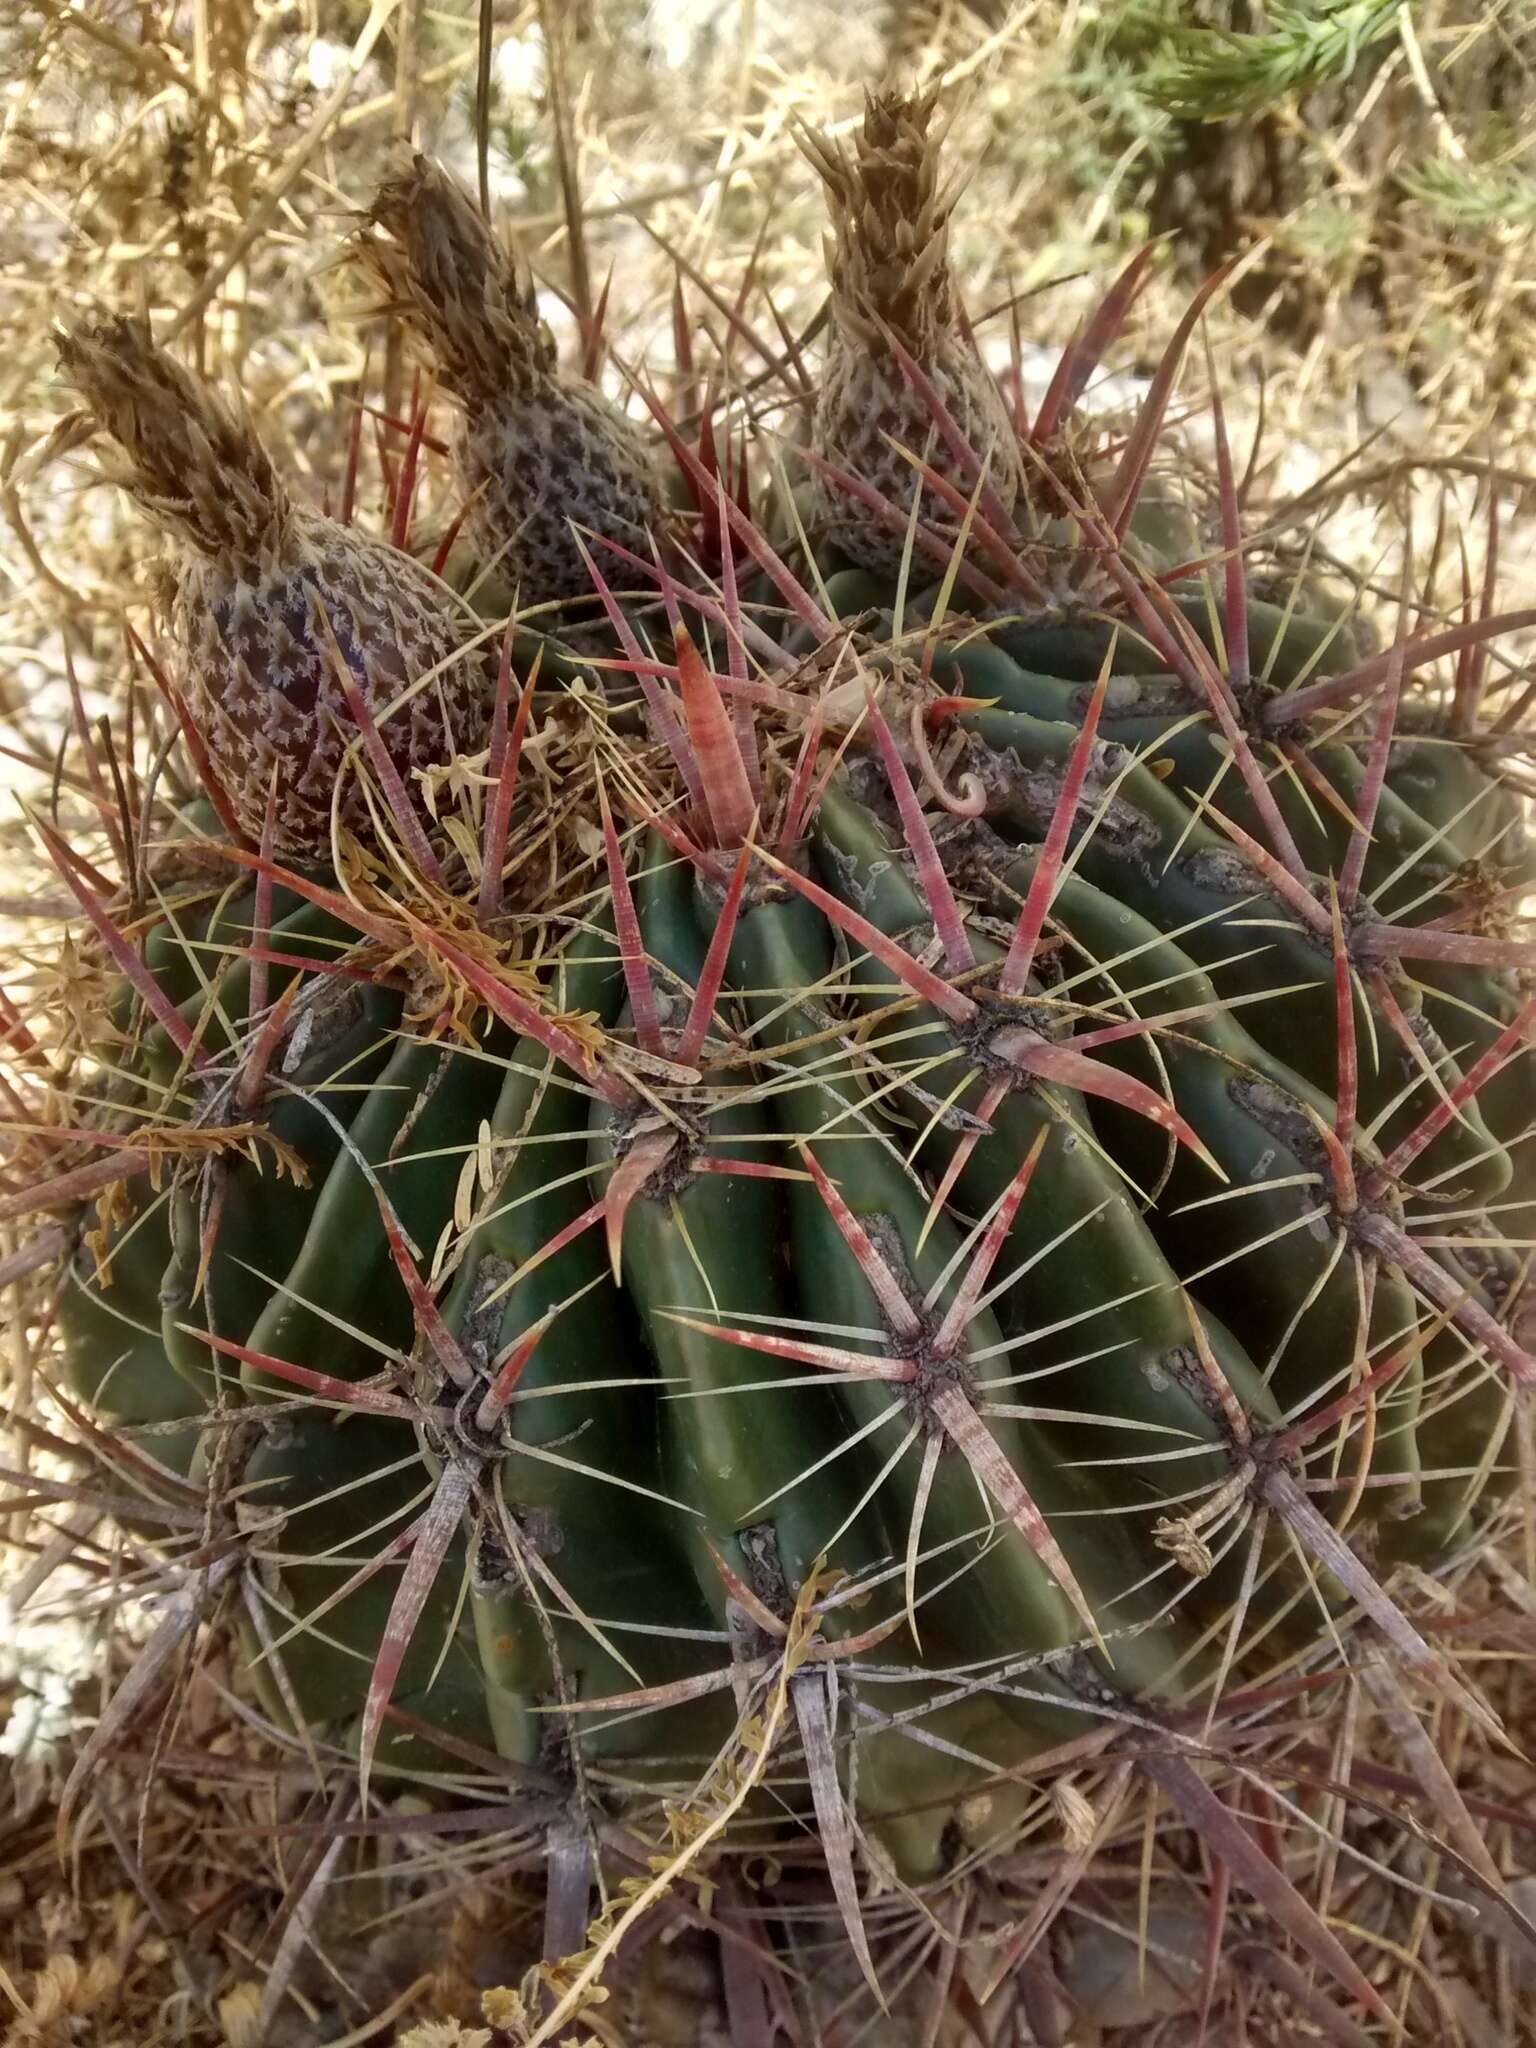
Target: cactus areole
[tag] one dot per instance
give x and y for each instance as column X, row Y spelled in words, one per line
column 914, row 1168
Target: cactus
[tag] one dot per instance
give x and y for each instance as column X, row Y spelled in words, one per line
column 939, row 1195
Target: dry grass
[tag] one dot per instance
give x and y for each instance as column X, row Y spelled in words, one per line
column 201, row 162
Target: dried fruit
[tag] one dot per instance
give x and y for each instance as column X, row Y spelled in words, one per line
column 537, row 450
column 896, row 317
column 293, row 633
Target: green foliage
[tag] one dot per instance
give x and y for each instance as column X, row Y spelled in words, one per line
column 1141, row 69
column 1328, row 234
column 1221, row 75
column 1468, row 195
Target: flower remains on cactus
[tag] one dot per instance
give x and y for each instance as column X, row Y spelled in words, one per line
column 839, row 1206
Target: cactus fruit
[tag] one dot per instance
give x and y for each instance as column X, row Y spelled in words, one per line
column 535, row 449
column 943, row 1197
column 287, row 622
column 893, row 299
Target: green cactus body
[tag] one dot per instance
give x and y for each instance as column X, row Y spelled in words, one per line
column 721, row 1456
column 759, row 1468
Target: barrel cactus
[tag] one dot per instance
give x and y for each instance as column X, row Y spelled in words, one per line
column 910, row 1178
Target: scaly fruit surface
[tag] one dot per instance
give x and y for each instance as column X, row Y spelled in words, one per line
column 920, row 1196
column 892, row 295
column 285, row 621
column 536, row 449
